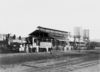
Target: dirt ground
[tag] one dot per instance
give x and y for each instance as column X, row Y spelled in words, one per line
column 94, row 68
column 87, row 63
column 90, row 66
column 16, row 58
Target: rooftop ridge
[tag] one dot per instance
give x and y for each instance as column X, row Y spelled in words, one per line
column 52, row 29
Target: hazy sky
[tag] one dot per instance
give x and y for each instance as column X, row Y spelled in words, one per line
column 21, row 17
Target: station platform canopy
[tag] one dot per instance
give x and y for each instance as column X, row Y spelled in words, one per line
column 42, row 32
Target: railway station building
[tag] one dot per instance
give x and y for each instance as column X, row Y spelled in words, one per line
column 45, row 39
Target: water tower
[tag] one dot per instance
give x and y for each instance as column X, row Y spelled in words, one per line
column 86, row 34
column 77, row 37
column 77, row 33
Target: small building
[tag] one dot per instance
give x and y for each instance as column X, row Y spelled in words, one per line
column 77, row 44
column 45, row 39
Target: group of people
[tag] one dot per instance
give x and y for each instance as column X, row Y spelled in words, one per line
column 25, row 48
column 28, row 48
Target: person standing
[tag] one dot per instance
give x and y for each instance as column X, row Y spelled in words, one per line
column 30, row 46
column 50, row 50
column 20, row 49
column 27, row 48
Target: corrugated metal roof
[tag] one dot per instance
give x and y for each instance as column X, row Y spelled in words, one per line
column 50, row 30
column 57, row 36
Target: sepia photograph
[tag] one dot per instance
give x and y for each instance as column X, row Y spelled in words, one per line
column 49, row 36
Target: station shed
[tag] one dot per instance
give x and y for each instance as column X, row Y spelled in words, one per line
column 46, row 39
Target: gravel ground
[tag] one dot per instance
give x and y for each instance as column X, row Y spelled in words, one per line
column 17, row 58
column 59, row 64
column 76, row 64
column 93, row 68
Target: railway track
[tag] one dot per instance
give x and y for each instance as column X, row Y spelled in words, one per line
column 69, row 65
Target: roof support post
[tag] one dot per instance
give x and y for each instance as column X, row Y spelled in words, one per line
column 47, row 49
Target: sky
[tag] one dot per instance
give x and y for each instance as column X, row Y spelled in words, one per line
column 21, row 17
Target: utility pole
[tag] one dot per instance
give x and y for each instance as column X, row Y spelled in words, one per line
column 79, row 42
column 74, row 42
column 86, row 37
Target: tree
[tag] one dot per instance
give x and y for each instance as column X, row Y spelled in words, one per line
column 20, row 37
column 91, row 45
column 14, row 36
column 7, row 36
